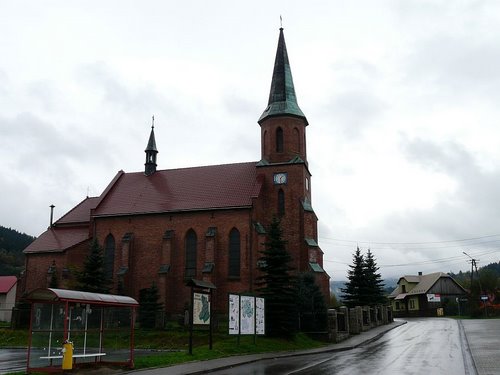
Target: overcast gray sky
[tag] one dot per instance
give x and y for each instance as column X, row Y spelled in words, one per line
column 401, row 96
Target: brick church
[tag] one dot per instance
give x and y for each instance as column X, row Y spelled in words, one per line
column 207, row 223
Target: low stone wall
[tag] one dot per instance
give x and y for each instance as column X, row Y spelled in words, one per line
column 344, row 322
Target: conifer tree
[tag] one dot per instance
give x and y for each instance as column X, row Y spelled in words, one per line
column 355, row 288
column 276, row 285
column 149, row 306
column 311, row 304
column 93, row 276
column 374, row 285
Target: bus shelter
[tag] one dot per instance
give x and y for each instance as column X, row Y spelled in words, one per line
column 97, row 328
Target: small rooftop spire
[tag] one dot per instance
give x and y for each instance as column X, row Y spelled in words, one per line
column 151, row 151
column 282, row 98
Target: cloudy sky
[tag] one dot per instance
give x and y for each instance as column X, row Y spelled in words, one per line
column 402, row 98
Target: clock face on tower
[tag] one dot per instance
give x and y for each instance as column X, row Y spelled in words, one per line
column 280, row 178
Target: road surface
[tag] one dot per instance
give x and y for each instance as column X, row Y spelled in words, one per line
column 430, row 346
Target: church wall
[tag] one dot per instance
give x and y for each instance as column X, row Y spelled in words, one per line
column 37, row 267
column 148, row 248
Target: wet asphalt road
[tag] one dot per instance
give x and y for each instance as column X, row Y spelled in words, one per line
column 427, row 346
column 12, row 360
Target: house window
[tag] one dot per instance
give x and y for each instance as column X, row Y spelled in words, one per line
column 234, row 253
column 412, row 304
column 281, row 202
column 397, row 305
column 403, row 288
column 109, row 256
column 279, row 140
column 191, row 244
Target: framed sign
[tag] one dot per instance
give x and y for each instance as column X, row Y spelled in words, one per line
column 234, row 314
column 260, row 322
column 247, row 315
column 201, row 308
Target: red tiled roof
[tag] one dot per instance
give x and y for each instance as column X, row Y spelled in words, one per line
column 6, row 283
column 80, row 213
column 185, row 189
column 57, row 239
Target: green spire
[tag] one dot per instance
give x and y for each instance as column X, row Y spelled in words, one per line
column 282, row 99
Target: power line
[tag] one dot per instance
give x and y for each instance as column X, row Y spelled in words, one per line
column 411, row 243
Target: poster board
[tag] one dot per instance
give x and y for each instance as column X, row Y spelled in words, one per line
column 260, row 320
column 201, row 308
column 246, row 315
column 234, row 314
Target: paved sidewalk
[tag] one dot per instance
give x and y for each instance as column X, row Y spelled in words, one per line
column 483, row 337
column 201, row 367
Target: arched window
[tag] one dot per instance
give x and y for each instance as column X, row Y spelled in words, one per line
column 296, row 136
column 191, row 244
column 109, row 256
column 234, row 253
column 281, row 202
column 265, row 144
column 279, row 140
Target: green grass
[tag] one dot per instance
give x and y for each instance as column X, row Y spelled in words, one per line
column 225, row 347
column 173, row 345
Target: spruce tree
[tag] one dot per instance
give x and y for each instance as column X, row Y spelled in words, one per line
column 276, row 285
column 93, row 276
column 374, row 285
column 355, row 287
column 311, row 304
column 149, row 306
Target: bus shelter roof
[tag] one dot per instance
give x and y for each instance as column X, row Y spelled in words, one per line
column 66, row 295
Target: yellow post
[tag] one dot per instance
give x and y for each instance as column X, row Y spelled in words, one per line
column 67, row 362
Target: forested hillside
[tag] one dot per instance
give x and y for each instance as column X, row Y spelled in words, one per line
column 12, row 244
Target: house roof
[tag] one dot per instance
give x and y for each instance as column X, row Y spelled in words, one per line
column 7, row 283
column 184, row 189
column 424, row 283
column 57, row 239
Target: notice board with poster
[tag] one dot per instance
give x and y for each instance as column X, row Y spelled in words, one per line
column 246, row 315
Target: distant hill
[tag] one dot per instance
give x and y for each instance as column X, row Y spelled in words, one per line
column 12, row 244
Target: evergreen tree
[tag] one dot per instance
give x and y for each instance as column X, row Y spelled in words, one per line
column 374, row 285
column 149, row 306
column 93, row 276
column 355, row 287
column 54, row 281
column 276, row 285
column 311, row 304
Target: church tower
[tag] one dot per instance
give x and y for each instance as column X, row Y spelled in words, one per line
column 283, row 125
column 283, row 168
column 151, row 152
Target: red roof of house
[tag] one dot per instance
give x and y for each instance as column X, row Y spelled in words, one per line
column 7, row 283
column 57, row 239
column 185, row 189
column 80, row 213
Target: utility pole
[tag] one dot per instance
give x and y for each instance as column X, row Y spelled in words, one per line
column 473, row 263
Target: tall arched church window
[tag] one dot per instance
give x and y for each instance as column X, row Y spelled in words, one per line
column 296, row 139
column 109, row 256
column 191, row 244
column 279, row 140
column 234, row 252
column 281, row 202
column 265, row 143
